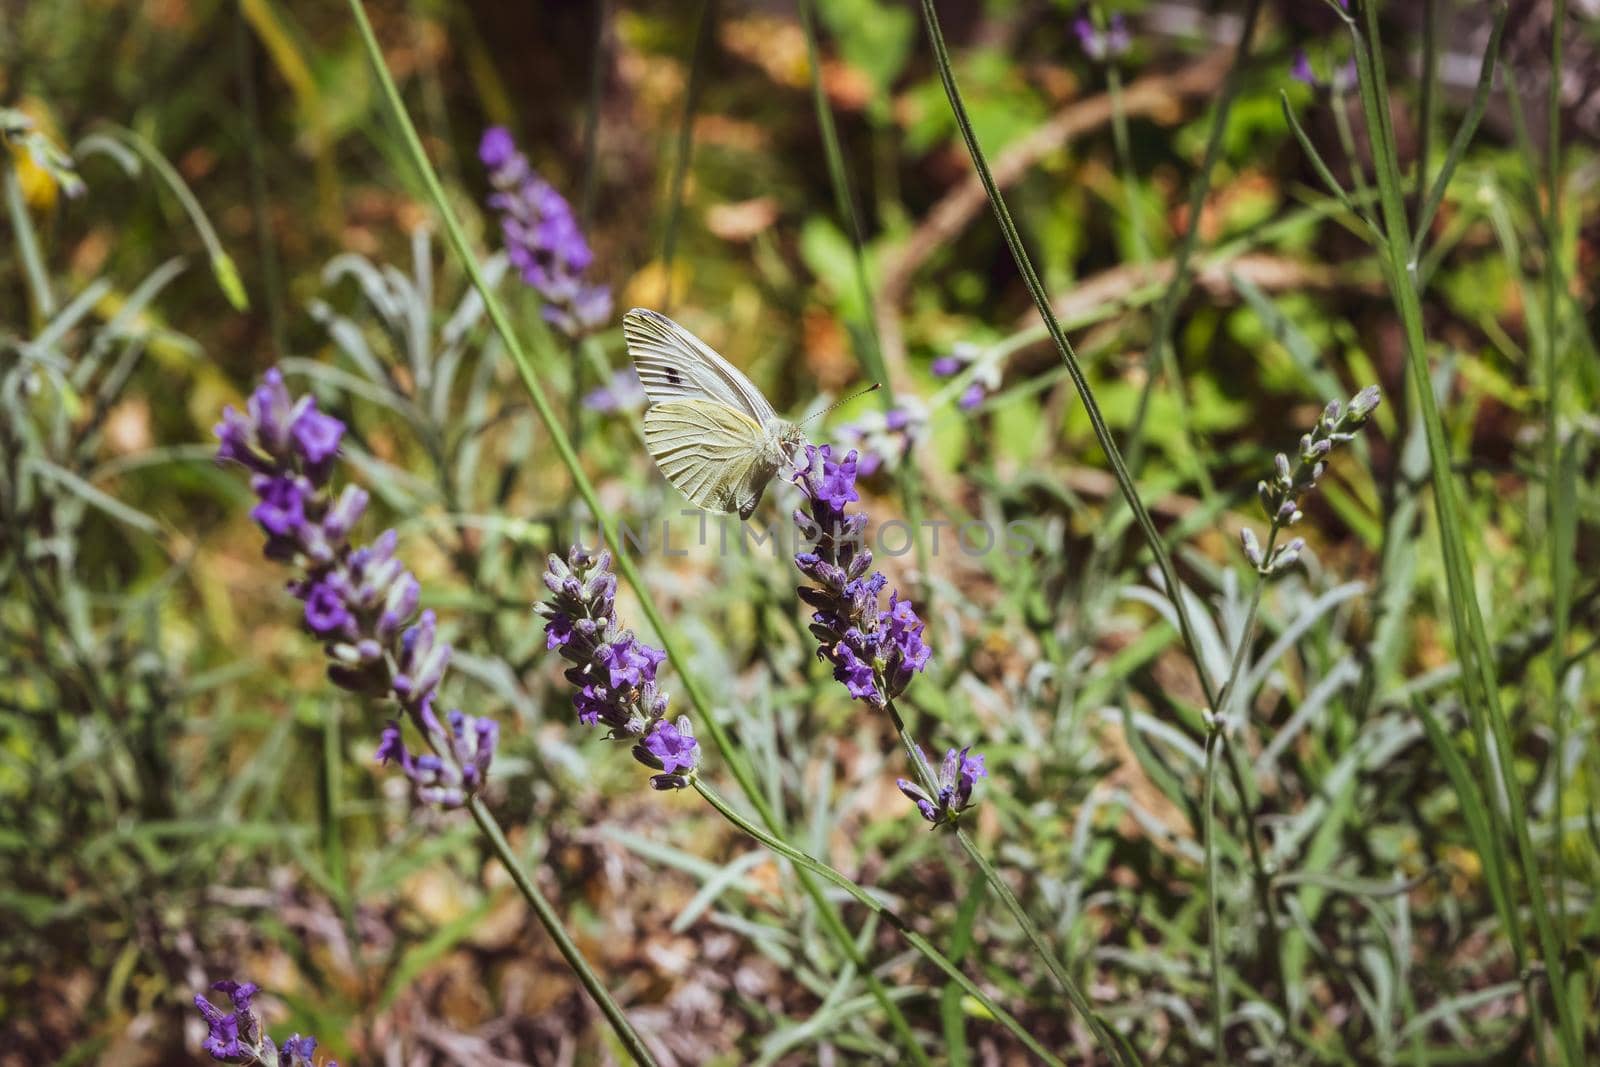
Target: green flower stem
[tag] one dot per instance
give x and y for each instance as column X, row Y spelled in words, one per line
column 563, row 445
column 1160, row 356
column 1217, row 740
column 1124, row 148
column 916, row 940
column 869, row 346
column 1219, row 1003
column 1075, row 995
column 1119, row 469
column 1561, row 545
column 1041, row 299
column 222, row 265
column 552, row 924
column 705, row 19
column 1479, row 682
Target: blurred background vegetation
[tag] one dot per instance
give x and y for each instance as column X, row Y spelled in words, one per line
column 184, row 798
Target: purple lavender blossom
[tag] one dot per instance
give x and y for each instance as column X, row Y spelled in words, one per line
column 957, row 777
column 300, row 1051
column 623, row 392
column 232, row 1037
column 1341, row 80
column 885, row 439
column 359, row 601
column 1099, row 44
column 674, row 745
column 469, row 744
column 237, row 1037
column 613, row 673
column 985, row 380
column 1300, row 69
column 874, row 653
column 542, row 238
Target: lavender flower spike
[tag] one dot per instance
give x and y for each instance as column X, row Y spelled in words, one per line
column 985, row 381
column 358, row 601
column 542, row 238
column 957, row 777
column 874, row 652
column 237, row 1037
column 886, row 439
column 1281, row 494
column 613, row 673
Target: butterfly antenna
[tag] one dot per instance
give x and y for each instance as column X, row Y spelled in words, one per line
column 873, row 388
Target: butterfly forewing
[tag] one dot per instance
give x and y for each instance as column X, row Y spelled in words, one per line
column 674, row 364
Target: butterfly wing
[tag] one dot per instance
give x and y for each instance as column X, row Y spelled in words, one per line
column 674, row 364
column 716, row 455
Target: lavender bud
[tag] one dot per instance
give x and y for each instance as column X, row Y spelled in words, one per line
column 1252, row 547
column 1362, row 405
column 1287, row 556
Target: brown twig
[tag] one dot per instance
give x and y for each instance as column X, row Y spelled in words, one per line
column 1153, row 95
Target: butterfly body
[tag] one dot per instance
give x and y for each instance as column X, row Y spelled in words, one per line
column 708, row 428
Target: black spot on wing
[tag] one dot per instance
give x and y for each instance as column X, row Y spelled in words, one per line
column 674, row 376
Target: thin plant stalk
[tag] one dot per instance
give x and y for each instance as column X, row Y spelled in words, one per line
column 706, row 718
column 1216, row 742
column 552, row 924
column 869, row 346
column 1208, row 824
column 587, row 186
column 598, row 56
column 1428, row 101
column 1555, row 484
column 223, row 268
column 1480, row 684
column 261, row 216
column 704, row 20
column 1123, row 145
column 1075, row 995
column 903, row 928
column 1160, row 355
column 1102, row 432
column 1041, row 299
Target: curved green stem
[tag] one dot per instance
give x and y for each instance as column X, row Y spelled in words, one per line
column 1558, row 505
column 704, row 20
column 1219, row 1006
column 705, row 718
column 552, row 924
column 33, row 268
column 1041, row 300
column 1217, row 741
column 914, row 939
column 1160, row 356
column 1124, row 149
column 1079, row 1001
column 222, row 265
column 1480, row 683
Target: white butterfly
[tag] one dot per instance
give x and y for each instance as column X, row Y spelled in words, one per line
column 708, row 428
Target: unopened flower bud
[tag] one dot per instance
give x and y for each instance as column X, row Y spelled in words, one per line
column 1252, row 547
